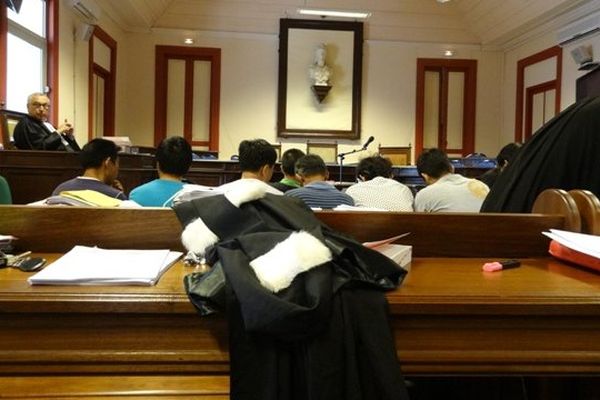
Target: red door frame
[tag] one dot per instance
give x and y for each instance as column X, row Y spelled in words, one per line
column 110, row 78
column 530, row 92
column 189, row 54
column 551, row 52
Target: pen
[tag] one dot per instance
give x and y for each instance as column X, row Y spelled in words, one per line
column 500, row 265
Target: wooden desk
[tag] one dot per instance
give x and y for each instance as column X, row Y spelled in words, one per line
column 448, row 318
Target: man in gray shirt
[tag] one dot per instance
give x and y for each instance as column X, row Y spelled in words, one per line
column 446, row 191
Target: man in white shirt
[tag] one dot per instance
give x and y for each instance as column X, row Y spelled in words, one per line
column 377, row 189
column 446, row 191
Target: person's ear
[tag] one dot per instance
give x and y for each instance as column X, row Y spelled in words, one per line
column 326, row 175
column 426, row 178
column 265, row 172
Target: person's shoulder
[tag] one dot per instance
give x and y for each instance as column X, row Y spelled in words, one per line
column 23, row 125
column 143, row 186
column 295, row 191
column 282, row 187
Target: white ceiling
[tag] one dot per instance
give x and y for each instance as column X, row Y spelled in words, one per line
column 482, row 22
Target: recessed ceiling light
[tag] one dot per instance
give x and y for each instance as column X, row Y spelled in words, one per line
column 334, row 13
column 188, row 41
column 448, row 53
column 443, row 1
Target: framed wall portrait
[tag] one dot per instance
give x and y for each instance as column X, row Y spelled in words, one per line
column 320, row 79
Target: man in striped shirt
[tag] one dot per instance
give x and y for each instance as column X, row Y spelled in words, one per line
column 316, row 192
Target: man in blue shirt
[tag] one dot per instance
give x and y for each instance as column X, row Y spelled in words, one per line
column 173, row 160
column 316, row 192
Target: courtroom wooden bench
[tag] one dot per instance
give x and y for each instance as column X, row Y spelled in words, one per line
column 448, row 318
column 431, row 234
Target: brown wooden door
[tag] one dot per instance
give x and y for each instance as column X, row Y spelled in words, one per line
column 446, row 105
column 188, row 95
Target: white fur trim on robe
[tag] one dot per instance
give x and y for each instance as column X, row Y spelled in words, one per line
column 300, row 252
column 196, row 237
column 246, row 190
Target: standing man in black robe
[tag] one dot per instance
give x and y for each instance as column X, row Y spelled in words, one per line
column 34, row 132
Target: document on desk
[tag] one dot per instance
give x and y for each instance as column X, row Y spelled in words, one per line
column 581, row 242
column 94, row 266
column 399, row 253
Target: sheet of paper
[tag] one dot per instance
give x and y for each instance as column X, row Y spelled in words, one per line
column 94, row 266
column 378, row 243
column 7, row 238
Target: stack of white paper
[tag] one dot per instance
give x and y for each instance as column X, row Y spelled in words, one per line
column 587, row 244
column 399, row 253
column 94, row 266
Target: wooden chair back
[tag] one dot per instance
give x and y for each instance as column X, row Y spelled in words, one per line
column 398, row 155
column 327, row 151
column 589, row 210
column 559, row 201
column 8, row 121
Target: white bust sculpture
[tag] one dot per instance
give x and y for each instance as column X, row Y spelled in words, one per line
column 320, row 73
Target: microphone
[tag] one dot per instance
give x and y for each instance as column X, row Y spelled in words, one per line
column 368, row 142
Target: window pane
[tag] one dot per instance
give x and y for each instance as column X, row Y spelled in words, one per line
column 25, row 77
column 32, row 16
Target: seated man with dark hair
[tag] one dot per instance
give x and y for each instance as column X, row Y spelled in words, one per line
column 288, row 166
column 316, row 193
column 173, row 160
column 446, row 191
column 377, row 189
column 506, row 155
column 99, row 159
column 257, row 159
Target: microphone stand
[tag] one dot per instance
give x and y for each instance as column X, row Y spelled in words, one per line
column 342, row 156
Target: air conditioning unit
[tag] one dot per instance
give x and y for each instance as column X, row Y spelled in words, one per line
column 579, row 30
column 87, row 10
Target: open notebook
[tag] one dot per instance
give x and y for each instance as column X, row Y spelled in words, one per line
column 94, row 266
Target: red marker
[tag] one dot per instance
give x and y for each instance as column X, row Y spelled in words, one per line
column 500, row 265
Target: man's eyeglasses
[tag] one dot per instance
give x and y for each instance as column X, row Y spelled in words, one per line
column 42, row 105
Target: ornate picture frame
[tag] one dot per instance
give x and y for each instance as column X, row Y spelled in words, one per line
column 303, row 111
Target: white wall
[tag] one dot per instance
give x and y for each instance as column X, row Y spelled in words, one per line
column 73, row 67
column 249, row 70
column 569, row 75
